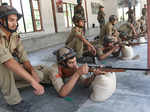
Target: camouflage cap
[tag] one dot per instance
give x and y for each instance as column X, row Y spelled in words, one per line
column 6, row 10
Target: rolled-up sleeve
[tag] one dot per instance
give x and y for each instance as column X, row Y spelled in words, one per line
column 5, row 55
column 21, row 52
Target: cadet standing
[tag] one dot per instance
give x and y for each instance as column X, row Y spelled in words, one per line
column 79, row 10
column 12, row 55
column 101, row 17
column 144, row 11
column 76, row 39
column 131, row 17
column 67, row 68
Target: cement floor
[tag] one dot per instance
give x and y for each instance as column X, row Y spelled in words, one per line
column 132, row 93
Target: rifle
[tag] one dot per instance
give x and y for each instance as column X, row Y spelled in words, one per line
column 114, row 69
column 135, row 37
column 129, row 44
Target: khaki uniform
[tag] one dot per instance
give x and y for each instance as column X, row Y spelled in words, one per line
column 106, row 83
column 8, row 50
column 108, row 31
column 74, row 42
column 126, row 27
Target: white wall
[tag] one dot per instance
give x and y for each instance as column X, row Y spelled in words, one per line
column 111, row 7
column 92, row 18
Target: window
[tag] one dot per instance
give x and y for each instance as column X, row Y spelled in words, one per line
column 30, row 9
column 68, row 9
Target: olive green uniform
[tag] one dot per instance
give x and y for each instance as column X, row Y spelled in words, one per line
column 75, row 42
column 8, row 50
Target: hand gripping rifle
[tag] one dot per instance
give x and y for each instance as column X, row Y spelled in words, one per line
column 114, row 69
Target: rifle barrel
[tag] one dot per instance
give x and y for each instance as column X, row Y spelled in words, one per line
column 119, row 68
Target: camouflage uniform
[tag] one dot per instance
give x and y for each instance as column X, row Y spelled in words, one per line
column 144, row 12
column 131, row 17
column 101, row 18
column 78, row 9
column 8, row 50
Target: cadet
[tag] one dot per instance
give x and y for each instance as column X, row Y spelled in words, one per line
column 12, row 55
column 128, row 28
column 76, row 39
column 67, row 68
column 110, row 30
column 108, row 48
column 101, row 16
column 78, row 9
column 131, row 16
column 144, row 11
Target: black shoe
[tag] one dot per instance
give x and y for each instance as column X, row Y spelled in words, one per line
column 23, row 106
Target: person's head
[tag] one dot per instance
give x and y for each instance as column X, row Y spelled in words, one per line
column 66, row 57
column 101, row 8
column 79, row 2
column 113, row 19
column 123, row 36
column 108, row 41
column 145, row 6
column 9, row 17
column 78, row 20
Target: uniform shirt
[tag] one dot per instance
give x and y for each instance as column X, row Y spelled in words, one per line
column 144, row 11
column 101, row 17
column 58, row 74
column 10, row 48
column 74, row 41
column 126, row 27
column 109, row 30
column 78, row 9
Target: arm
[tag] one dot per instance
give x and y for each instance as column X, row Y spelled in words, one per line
column 103, row 56
column 18, row 69
column 86, row 42
column 22, row 55
column 66, row 89
column 31, row 70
